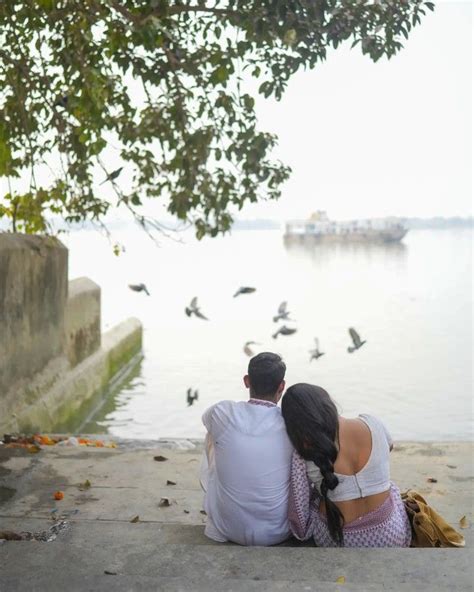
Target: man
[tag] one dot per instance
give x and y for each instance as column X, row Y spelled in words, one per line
column 246, row 469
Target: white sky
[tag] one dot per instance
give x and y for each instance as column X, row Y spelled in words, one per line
column 391, row 138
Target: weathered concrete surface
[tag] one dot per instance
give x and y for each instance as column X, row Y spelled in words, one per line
column 33, row 291
column 74, row 388
column 82, row 330
column 166, row 549
column 51, row 358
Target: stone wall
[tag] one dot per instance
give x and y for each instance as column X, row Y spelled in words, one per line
column 82, row 325
column 51, row 358
column 33, row 292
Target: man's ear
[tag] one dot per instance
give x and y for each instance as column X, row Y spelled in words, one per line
column 280, row 390
column 246, row 381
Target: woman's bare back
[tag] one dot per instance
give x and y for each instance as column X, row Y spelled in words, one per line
column 355, row 447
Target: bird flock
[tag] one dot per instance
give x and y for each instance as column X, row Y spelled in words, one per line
column 283, row 314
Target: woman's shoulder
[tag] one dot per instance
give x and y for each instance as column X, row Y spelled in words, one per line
column 376, row 425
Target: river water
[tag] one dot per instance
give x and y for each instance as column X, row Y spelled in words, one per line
column 411, row 301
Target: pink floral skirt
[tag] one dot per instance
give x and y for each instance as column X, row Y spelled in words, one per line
column 387, row 526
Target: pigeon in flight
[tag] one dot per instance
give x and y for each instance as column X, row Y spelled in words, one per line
column 190, row 397
column 284, row 330
column 113, row 175
column 283, row 314
column 139, row 288
column 247, row 348
column 355, row 340
column 315, row 353
column 244, row 290
column 193, row 309
column 62, row 102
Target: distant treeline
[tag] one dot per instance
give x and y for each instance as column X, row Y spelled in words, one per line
column 439, row 222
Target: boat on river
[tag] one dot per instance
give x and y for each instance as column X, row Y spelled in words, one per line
column 319, row 228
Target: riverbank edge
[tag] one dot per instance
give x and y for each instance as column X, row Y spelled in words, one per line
column 74, row 389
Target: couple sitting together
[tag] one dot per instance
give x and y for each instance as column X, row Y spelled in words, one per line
column 303, row 470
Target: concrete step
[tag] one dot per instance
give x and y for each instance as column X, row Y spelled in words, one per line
column 121, row 583
column 140, row 556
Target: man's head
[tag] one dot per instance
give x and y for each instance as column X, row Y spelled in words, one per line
column 265, row 377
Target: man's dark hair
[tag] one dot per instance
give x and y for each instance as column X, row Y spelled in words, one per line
column 266, row 372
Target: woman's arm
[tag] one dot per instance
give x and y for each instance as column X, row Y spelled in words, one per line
column 301, row 507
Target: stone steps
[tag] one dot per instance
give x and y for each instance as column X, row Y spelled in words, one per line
column 137, row 583
column 131, row 551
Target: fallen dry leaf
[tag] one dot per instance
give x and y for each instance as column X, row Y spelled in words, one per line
column 33, row 448
column 463, row 522
column 186, row 511
column 452, row 466
column 203, row 512
column 164, row 502
column 168, row 482
column 341, row 580
column 160, row 458
column 135, row 519
column 58, row 495
column 432, row 480
column 110, row 573
column 86, row 485
column 9, row 535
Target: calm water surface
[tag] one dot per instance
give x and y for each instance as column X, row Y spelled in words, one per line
column 411, row 301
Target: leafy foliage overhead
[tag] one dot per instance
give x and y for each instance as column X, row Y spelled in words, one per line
column 156, row 86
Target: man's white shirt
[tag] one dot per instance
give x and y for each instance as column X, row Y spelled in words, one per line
column 246, row 473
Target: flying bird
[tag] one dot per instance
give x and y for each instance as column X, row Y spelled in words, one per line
column 139, row 288
column 113, row 175
column 244, row 290
column 283, row 314
column 190, row 397
column 193, row 309
column 284, row 330
column 247, row 348
column 315, row 353
column 62, row 101
column 355, row 340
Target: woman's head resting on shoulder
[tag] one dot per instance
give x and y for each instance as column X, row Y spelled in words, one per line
column 311, row 419
column 312, row 423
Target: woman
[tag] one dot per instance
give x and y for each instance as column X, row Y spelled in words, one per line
column 340, row 492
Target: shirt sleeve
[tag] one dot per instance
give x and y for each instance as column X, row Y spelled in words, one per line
column 216, row 418
column 387, row 434
column 379, row 424
column 301, row 507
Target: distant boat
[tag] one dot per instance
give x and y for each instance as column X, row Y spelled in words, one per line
column 318, row 227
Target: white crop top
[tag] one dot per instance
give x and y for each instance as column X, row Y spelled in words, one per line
column 373, row 478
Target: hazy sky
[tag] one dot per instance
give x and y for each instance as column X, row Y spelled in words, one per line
column 394, row 137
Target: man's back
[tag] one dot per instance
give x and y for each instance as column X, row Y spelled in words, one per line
column 247, row 480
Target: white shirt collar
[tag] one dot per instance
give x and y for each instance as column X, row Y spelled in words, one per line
column 261, row 402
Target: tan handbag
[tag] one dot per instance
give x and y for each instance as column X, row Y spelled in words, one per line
column 429, row 529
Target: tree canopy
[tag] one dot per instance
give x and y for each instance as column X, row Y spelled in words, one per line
column 157, row 86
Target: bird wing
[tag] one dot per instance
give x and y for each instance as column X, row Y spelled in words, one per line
column 199, row 314
column 355, row 336
column 194, row 302
column 146, row 290
column 316, row 341
column 239, row 291
column 282, row 307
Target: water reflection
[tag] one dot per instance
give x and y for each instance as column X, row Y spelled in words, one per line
column 112, row 409
column 371, row 252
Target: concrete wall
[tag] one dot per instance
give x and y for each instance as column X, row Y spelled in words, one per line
column 33, row 292
column 82, row 320
column 52, row 358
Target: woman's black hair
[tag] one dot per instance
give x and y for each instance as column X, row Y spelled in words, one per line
column 312, row 423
